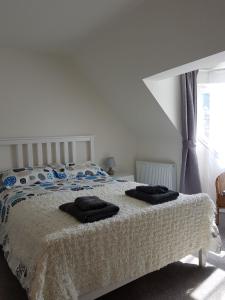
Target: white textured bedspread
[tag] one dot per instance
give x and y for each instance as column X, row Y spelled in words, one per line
column 57, row 258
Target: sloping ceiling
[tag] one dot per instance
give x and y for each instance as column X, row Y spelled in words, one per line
column 50, row 25
column 157, row 36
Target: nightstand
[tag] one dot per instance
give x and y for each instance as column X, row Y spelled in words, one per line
column 123, row 176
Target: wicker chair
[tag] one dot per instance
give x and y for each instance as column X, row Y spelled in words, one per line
column 220, row 194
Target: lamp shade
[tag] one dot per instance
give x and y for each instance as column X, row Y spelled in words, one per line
column 110, row 162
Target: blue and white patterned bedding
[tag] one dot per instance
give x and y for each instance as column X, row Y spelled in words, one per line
column 40, row 242
column 11, row 197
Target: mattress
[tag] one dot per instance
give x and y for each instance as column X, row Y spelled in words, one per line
column 56, row 257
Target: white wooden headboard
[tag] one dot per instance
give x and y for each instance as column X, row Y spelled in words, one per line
column 32, row 151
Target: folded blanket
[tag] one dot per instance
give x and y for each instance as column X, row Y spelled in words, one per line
column 86, row 216
column 152, row 199
column 89, row 202
column 152, row 189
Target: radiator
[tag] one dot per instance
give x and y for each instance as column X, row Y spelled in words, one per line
column 156, row 173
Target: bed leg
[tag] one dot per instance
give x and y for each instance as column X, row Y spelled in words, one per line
column 202, row 257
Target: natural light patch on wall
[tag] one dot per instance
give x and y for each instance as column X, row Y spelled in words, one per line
column 167, row 93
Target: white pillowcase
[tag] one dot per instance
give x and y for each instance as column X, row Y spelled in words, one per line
column 86, row 169
column 26, row 176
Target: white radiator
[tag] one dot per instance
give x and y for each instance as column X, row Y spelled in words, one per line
column 156, row 173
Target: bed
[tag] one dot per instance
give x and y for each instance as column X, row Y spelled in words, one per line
column 56, row 257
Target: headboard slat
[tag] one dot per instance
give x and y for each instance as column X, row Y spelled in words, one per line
column 49, row 153
column 39, row 154
column 30, row 158
column 19, row 156
column 57, row 152
column 92, row 150
column 66, row 152
column 74, row 152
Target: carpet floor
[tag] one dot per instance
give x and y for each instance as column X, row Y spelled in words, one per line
column 180, row 280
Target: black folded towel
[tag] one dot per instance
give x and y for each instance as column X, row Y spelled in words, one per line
column 89, row 202
column 86, row 216
column 152, row 189
column 152, row 199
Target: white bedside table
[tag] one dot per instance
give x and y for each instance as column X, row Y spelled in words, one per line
column 123, row 176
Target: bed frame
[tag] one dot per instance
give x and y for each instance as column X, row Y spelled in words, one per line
column 43, row 150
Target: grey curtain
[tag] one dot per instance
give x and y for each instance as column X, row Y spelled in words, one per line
column 190, row 179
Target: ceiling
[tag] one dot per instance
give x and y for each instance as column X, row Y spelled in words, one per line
column 55, row 24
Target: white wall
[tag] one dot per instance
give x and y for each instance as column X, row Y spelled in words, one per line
column 167, row 93
column 42, row 95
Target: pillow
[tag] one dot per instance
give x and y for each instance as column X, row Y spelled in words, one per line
column 41, row 174
column 26, row 176
column 84, row 170
column 59, row 171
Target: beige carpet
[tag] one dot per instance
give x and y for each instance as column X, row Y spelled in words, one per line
column 181, row 280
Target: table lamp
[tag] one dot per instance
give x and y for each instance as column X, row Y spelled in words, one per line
column 110, row 164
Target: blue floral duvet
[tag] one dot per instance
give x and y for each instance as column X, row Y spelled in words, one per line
column 11, row 197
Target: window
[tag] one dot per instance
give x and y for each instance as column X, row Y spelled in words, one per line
column 203, row 113
column 211, row 117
